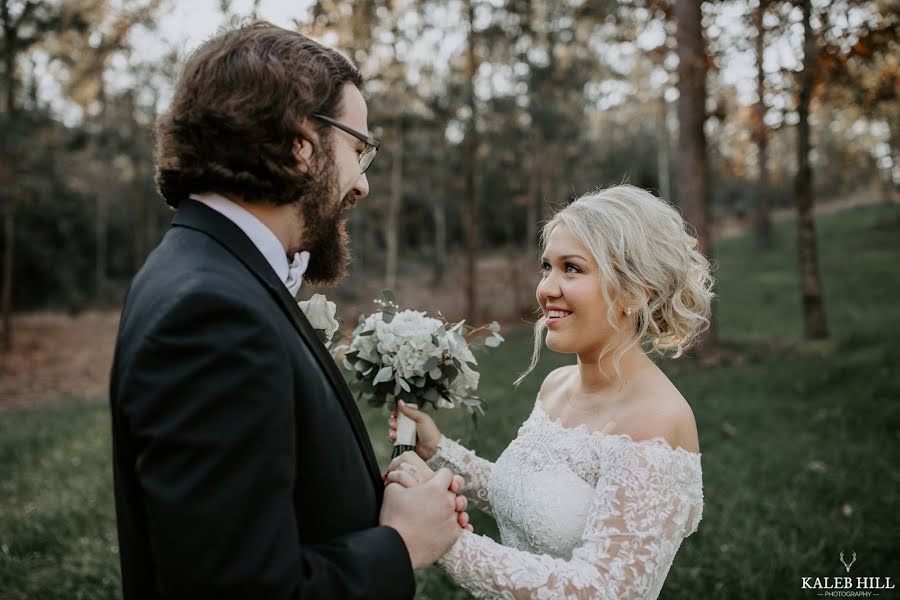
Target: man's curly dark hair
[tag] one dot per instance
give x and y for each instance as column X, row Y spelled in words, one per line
column 237, row 109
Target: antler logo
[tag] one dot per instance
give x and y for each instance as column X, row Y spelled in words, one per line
column 843, row 562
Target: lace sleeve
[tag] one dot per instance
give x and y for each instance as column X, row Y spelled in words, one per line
column 475, row 470
column 644, row 504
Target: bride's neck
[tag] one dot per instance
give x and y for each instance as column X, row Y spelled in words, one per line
column 601, row 380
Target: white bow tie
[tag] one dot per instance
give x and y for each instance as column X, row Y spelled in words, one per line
column 295, row 272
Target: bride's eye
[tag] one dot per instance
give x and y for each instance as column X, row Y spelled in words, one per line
column 545, row 267
column 571, row 266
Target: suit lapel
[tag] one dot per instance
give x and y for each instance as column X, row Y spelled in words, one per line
column 200, row 217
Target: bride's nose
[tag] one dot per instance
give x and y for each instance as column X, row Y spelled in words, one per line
column 548, row 287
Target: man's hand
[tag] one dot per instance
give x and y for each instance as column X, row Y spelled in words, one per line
column 409, row 471
column 425, row 516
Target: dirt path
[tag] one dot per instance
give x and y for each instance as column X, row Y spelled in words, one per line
column 57, row 355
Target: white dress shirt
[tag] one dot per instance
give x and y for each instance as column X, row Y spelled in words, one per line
column 291, row 274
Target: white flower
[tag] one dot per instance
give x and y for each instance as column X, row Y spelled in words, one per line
column 320, row 312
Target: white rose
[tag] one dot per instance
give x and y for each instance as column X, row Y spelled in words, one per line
column 320, row 313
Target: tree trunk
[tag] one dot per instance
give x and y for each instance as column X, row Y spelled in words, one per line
column 439, row 216
column 10, row 49
column 763, row 210
column 100, row 247
column 533, row 209
column 394, row 201
column 813, row 304
column 140, row 217
column 890, row 187
column 693, row 182
column 545, row 209
column 9, row 230
column 101, row 204
column 662, row 156
column 471, row 190
column 10, row 36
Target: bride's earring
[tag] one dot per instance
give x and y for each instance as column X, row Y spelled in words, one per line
column 628, row 311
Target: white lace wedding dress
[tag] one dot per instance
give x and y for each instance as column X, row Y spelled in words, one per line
column 581, row 514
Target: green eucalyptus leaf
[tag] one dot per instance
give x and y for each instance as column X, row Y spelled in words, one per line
column 450, row 372
column 384, row 374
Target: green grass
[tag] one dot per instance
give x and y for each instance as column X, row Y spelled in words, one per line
column 800, row 440
column 57, row 529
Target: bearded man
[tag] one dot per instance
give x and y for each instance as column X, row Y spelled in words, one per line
column 242, row 467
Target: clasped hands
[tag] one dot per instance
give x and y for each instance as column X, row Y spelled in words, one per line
column 425, row 508
column 409, row 471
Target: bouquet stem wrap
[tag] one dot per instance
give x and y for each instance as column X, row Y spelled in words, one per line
column 406, row 433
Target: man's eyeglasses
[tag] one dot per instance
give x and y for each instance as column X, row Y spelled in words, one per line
column 368, row 154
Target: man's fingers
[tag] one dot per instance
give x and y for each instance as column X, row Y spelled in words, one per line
column 463, row 519
column 395, row 464
column 461, row 503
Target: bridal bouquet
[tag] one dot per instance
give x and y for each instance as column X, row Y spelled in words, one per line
column 406, row 355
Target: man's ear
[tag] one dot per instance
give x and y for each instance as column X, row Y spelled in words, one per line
column 304, row 147
column 303, row 153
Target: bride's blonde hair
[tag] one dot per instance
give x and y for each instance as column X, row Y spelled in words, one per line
column 647, row 259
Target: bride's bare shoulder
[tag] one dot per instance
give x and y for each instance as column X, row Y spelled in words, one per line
column 557, row 379
column 664, row 412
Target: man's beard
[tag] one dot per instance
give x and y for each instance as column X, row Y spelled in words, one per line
column 324, row 230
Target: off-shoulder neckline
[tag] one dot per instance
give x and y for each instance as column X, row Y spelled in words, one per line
column 658, row 441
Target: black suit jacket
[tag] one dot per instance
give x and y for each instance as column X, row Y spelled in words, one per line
column 242, row 467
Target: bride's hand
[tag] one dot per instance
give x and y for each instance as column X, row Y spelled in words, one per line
column 409, row 471
column 427, row 433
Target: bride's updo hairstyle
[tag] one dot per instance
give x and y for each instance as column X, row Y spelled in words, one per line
column 648, row 261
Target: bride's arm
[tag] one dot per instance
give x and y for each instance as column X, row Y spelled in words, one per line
column 440, row 451
column 638, row 518
column 475, row 470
